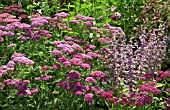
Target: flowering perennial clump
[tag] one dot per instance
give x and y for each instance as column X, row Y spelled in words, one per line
column 20, row 58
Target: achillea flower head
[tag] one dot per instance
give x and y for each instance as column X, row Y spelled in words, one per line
column 15, row 72
column 76, row 61
column 102, row 40
column 73, row 75
column 85, row 88
column 65, row 84
column 21, row 86
column 147, row 76
column 11, row 64
column 21, row 93
column 67, row 63
column 11, row 45
column 96, row 89
column 48, row 36
column 1, row 39
column 17, row 55
column 56, row 66
column 85, row 66
column 78, row 93
column 107, row 26
column 22, row 38
column 34, row 90
column 98, row 74
column 90, row 80
column 88, row 97
column 56, row 52
column 108, row 94
column 44, row 77
column 26, row 82
column 62, row 15
column 44, row 68
column 168, row 90
column 67, row 38
column 75, row 21
column 149, row 88
column 62, row 59
column 23, row 60
column 89, row 24
column 12, row 81
column 23, row 16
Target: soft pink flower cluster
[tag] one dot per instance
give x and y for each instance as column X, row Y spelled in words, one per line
column 84, row 18
column 20, row 58
column 98, row 75
column 43, row 77
column 149, row 88
column 73, row 75
column 21, row 85
column 13, row 8
column 163, row 75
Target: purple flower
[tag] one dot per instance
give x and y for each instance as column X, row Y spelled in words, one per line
column 149, row 88
column 107, row 26
column 11, row 64
column 46, row 77
column 90, row 80
column 108, row 94
column 98, row 74
column 62, row 15
column 85, row 88
column 44, row 68
column 21, row 86
column 48, row 36
column 15, row 72
column 1, row 39
column 118, row 15
column 23, row 60
column 101, row 18
column 96, row 89
column 56, row 66
column 26, row 82
column 12, row 45
column 75, row 21
column 90, row 24
column 56, row 52
column 43, row 77
column 113, row 9
column 168, row 90
column 65, row 84
column 34, row 90
column 67, row 63
column 23, row 38
column 78, row 93
column 73, row 75
column 147, row 76
column 38, row 78
column 12, row 81
column 76, row 61
column 88, row 97
column 17, row 55
column 85, row 66
column 21, row 93
column 62, row 59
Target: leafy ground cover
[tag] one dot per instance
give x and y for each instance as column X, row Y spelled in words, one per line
column 79, row 55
